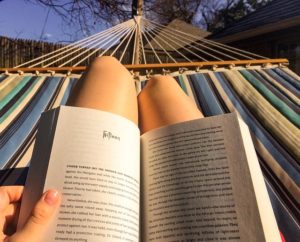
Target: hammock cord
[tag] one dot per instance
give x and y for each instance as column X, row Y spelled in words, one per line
column 109, row 37
column 130, row 32
column 171, row 34
column 127, row 44
column 143, row 49
column 164, row 50
column 169, row 44
column 168, row 37
column 149, row 43
column 77, row 48
column 68, row 47
column 106, row 45
column 147, row 37
column 217, row 44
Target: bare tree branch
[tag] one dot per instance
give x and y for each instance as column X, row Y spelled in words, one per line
column 85, row 16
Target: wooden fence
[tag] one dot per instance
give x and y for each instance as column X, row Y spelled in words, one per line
column 14, row 52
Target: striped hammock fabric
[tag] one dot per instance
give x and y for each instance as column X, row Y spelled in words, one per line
column 267, row 99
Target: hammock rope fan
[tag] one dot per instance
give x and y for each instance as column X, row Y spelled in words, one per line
column 219, row 78
column 178, row 48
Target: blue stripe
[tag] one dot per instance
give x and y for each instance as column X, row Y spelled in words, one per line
column 287, row 77
column 2, row 77
column 282, row 81
column 68, row 91
column 277, row 91
column 204, row 94
column 287, row 224
column 256, row 128
column 276, row 102
column 16, row 135
column 15, row 91
column 143, row 84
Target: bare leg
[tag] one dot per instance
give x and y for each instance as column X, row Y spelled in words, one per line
column 107, row 86
column 162, row 102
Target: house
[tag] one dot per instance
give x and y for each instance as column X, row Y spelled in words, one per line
column 162, row 40
column 179, row 25
column 272, row 31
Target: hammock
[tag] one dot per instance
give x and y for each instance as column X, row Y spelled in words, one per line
column 219, row 78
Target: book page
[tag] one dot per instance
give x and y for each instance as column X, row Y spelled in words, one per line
column 95, row 163
column 197, row 184
column 264, row 204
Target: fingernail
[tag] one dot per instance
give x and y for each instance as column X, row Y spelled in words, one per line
column 51, row 197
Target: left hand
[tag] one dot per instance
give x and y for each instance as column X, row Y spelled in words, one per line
column 37, row 224
column 10, row 198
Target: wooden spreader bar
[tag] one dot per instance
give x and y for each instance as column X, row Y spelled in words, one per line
column 143, row 67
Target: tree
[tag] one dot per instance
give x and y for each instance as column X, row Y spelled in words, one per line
column 232, row 11
column 165, row 11
column 87, row 15
column 213, row 15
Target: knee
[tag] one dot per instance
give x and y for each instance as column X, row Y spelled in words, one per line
column 110, row 69
column 156, row 86
column 159, row 80
column 104, row 61
column 160, row 83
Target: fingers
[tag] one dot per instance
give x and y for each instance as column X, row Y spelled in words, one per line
column 10, row 197
column 10, row 194
column 9, row 218
column 11, row 212
column 40, row 219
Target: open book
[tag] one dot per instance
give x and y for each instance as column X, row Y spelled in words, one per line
column 193, row 181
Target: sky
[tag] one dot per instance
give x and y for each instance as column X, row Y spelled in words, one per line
column 21, row 19
column 26, row 20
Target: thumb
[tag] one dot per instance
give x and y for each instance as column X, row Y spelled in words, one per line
column 39, row 221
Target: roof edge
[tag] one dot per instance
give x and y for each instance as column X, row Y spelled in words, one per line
column 290, row 22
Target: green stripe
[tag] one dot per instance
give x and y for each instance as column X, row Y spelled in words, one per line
column 16, row 104
column 182, row 84
column 16, row 89
column 282, row 107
